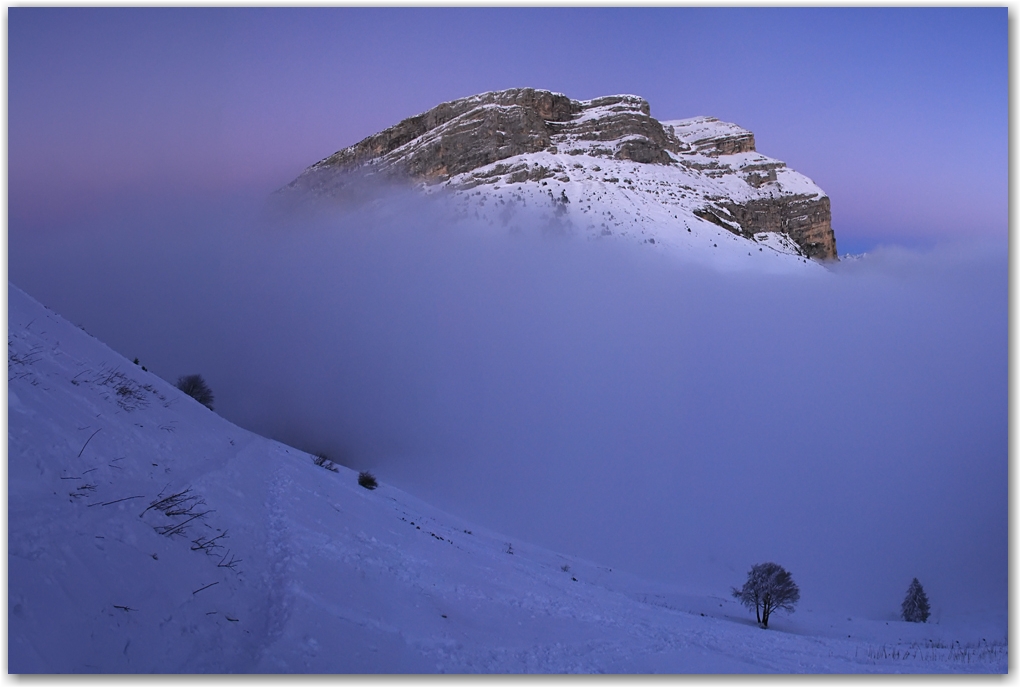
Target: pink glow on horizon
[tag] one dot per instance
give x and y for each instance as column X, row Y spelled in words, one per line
column 899, row 114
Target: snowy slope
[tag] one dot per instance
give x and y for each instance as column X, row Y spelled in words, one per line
column 147, row 534
column 599, row 199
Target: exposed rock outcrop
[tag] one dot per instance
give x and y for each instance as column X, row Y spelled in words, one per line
column 519, row 136
column 461, row 135
column 803, row 216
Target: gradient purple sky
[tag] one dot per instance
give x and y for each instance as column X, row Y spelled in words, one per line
column 899, row 114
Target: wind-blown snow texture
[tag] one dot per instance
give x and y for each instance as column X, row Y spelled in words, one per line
column 295, row 568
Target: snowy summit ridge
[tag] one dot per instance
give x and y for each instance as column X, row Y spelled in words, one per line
column 605, row 166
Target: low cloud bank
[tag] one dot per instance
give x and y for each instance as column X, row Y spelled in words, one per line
column 850, row 424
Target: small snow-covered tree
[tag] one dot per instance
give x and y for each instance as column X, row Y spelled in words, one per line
column 769, row 587
column 195, row 386
column 915, row 608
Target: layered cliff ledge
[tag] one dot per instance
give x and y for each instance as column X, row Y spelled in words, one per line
column 662, row 178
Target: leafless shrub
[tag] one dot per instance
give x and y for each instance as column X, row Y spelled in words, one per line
column 195, row 386
column 322, row 461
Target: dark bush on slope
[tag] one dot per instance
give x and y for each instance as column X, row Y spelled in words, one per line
column 195, row 386
column 367, row 480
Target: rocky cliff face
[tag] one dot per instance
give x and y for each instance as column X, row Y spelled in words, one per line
column 662, row 179
column 802, row 214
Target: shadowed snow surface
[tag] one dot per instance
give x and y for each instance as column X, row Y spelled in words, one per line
column 287, row 567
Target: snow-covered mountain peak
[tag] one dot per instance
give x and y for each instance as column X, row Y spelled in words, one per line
column 695, row 188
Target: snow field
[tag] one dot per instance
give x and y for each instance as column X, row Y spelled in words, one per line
column 618, row 200
column 148, row 534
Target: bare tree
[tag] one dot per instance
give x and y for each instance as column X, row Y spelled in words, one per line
column 769, row 587
column 915, row 608
column 195, row 386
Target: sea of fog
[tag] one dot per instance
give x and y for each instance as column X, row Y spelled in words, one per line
column 601, row 400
